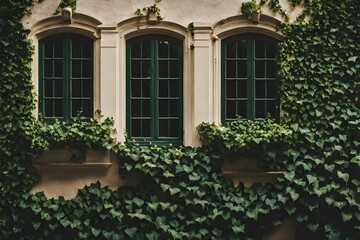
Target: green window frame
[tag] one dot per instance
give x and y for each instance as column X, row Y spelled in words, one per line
column 65, row 77
column 154, row 103
column 249, row 77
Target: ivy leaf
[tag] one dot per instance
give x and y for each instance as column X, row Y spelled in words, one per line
column 344, row 176
column 347, row 216
column 352, row 59
column 95, row 231
column 311, row 179
column 131, row 232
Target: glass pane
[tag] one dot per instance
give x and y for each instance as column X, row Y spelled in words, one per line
column 230, row 69
column 76, row 88
column 87, row 90
column 146, row 70
column 259, row 69
column 48, row 49
column 135, row 108
column 58, row 111
column 259, row 48
column 242, row 108
column 58, row 88
column 86, row 64
column 271, row 89
column 163, row 128
column 163, row 49
column 174, row 73
column 146, row 108
column 76, row 68
column 270, row 69
column 135, row 88
column 174, row 108
column 135, row 128
column 86, row 51
column 163, row 88
column 163, row 108
column 48, row 68
column 231, row 50
column 76, row 48
column 271, row 108
column 163, row 69
column 230, row 109
column 136, row 50
column 174, row 89
column 135, row 68
column 230, row 89
column 242, row 69
column 270, row 51
column 146, row 128
column 87, row 108
column 259, row 109
column 48, row 88
column 146, row 88
column 259, row 89
column 174, row 128
column 76, row 107
column 58, row 68
column 174, row 51
column 242, row 88
column 58, row 48
column 48, row 108
column 242, row 49
column 146, row 49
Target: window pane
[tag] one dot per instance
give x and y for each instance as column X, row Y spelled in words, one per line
column 86, row 51
column 58, row 111
column 270, row 51
column 136, row 128
column 270, row 69
column 48, row 108
column 58, row 88
column 136, row 50
column 231, row 50
column 146, row 49
column 87, row 88
column 146, row 70
column 230, row 89
column 163, row 88
column 163, row 108
column 76, row 48
column 48, row 49
column 146, row 108
column 271, row 108
column 230, row 69
column 259, row 109
column 76, row 88
column 48, row 88
column 76, row 107
column 174, row 88
column 259, row 48
column 163, row 69
column 242, row 69
column 174, row 51
column 259, row 89
column 58, row 68
column 135, row 88
column 146, row 88
column 58, row 48
column 174, row 108
column 242, row 88
column 135, row 108
column 76, row 68
column 135, row 68
column 86, row 64
column 271, row 88
column 259, row 69
column 146, row 127
column 163, row 128
column 242, row 49
column 87, row 108
column 48, row 68
column 174, row 128
column 242, row 108
column 230, row 109
column 174, row 73
column 163, row 49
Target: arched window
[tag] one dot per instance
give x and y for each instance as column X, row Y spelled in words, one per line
column 154, row 89
column 249, row 85
column 65, row 76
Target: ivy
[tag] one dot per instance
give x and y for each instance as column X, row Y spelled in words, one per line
column 183, row 194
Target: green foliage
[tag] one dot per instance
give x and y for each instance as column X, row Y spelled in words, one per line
column 183, row 194
column 250, row 7
column 148, row 10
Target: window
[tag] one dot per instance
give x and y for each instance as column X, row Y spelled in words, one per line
column 65, row 76
column 249, row 85
column 154, row 89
